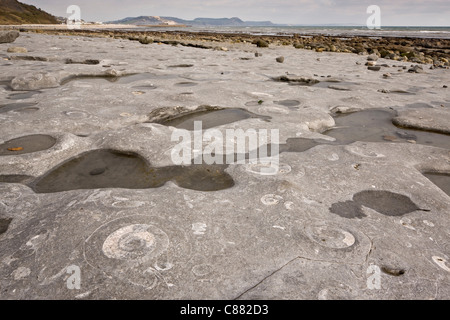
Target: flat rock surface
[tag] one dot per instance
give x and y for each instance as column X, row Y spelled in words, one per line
column 436, row 119
column 355, row 221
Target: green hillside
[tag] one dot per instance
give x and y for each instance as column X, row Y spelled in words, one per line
column 15, row 12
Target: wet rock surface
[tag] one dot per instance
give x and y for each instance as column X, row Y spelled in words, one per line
column 27, row 144
column 384, row 202
column 209, row 116
column 353, row 196
column 378, row 125
column 102, row 169
column 442, row 180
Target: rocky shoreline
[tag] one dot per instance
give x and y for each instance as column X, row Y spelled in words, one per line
column 435, row 52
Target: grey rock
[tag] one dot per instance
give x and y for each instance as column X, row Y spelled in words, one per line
column 35, row 81
column 280, row 59
column 434, row 120
column 83, row 61
column 344, row 109
column 372, row 57
column 296, row 79
column 8, row 36
column 416, row 69
column 374, row 68
column 261, row 44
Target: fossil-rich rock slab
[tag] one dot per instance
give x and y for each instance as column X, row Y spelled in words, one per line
column 354, row 207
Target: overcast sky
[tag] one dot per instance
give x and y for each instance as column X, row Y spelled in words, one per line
column 393, row 12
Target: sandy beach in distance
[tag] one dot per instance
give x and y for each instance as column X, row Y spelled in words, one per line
column 356, row 206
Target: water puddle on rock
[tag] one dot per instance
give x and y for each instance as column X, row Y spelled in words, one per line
column 24, row 95
column 27, row 144
column 367, row 126
column 127, row 79
column 4, row 224
column 209, row 118
column 19, row 107
column 442, row 180
column 16, row 178
column 142, row 77
column 397, row 91
column 255, row 103
column 145, row 87
column 5, row 84
column 291, row 104
column 377, row 126
column 186, row 84
column 418, row 105
column 335, row 85
column 113, row 169
column 302, row 144
column 384, row 202
column 181, row 66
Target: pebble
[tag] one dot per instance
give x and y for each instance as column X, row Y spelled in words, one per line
column 261, row 44
column 387, row 75
column 389, row 138
column 374, row 68
column 280, row 59
column 372, row 57
column 17, row 50
column 416, row 69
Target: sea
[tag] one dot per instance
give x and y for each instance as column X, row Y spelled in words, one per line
column 339, row 31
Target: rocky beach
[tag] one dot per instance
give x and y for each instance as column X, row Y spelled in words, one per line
column 356, row 209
